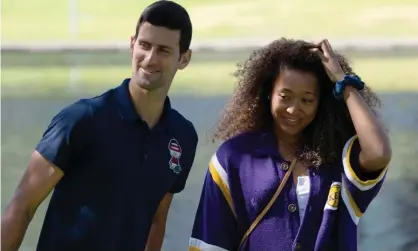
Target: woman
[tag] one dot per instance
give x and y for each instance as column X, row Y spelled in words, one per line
column 299, row 110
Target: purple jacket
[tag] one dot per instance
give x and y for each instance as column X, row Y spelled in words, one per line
column 243, row 175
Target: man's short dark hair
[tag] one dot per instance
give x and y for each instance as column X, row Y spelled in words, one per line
column 170, row 15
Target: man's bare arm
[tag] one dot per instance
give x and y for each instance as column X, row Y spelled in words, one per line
column 157, row 231
column 39, row 179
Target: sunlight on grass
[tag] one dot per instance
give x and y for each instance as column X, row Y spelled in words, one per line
column 108, row 21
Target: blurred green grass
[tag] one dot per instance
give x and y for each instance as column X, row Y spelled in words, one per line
column 110, row 20
column 203, row 78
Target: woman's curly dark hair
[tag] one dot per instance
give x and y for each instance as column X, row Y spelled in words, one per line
column 249, row 108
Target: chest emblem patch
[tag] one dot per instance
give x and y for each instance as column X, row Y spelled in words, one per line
column 175, row 151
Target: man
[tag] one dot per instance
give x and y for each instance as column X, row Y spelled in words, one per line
column 115, row 160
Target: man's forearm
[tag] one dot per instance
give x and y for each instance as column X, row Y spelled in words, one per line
column 156, row 237
column 13, row 227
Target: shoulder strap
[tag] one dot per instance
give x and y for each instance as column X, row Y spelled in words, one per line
column 273, row 199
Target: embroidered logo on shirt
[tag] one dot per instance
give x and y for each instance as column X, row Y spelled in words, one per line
column 175, row 151
column 334, row 196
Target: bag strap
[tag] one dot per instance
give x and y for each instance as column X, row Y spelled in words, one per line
column 273, row 199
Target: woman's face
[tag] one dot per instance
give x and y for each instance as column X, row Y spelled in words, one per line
column 294, row 101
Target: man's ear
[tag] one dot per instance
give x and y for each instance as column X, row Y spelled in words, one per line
column 132, row 44
column 185, row 59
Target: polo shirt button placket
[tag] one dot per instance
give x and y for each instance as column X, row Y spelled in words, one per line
column 146, row 139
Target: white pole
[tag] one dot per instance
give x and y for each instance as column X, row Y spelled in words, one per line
column 73, row 13
column 73, row 30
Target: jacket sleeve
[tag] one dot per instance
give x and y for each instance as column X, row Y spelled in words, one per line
column 358, row 188
column 215, row 227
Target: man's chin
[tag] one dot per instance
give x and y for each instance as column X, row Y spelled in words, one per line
column 148, row 85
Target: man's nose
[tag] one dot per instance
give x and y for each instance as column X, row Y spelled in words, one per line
column 151, row 57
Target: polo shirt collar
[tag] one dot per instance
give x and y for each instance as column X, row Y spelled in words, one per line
column 126, row 107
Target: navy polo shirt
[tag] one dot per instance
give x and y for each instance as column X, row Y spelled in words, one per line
column 116, row 171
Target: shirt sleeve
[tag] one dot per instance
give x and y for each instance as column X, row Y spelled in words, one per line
column 65, row 136
column 215, row 225
column 184, row 174
column 358, row 188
